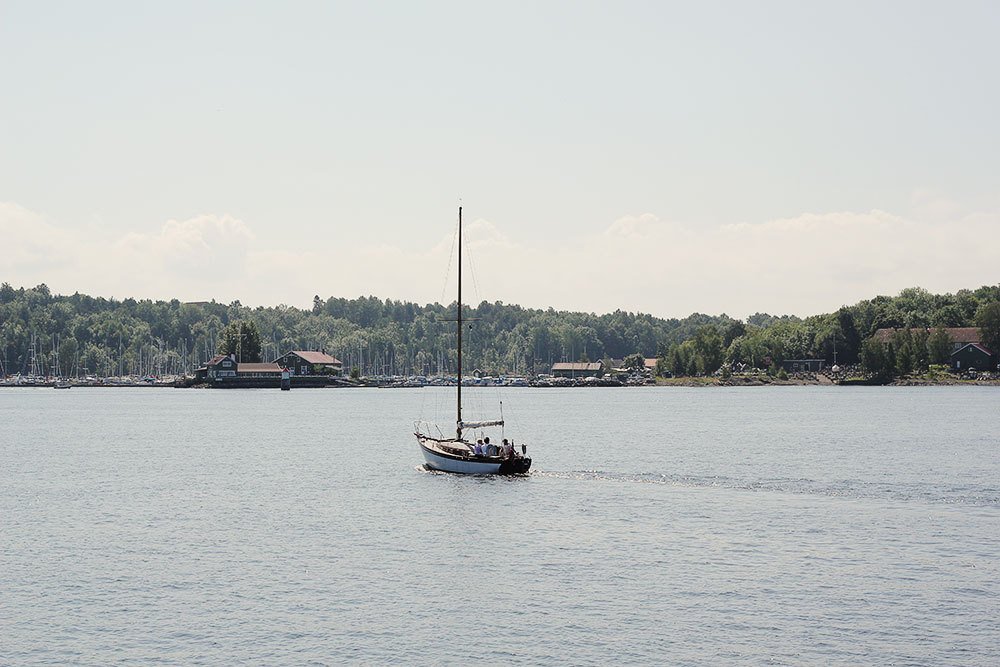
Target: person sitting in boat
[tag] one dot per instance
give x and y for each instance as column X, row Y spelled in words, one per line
column 478, row 449
column 491, row 450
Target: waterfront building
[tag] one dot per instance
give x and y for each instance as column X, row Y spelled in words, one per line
column 265, row 370
column 580, row 369
column 803, row 365
column 219, row 366
column 973, row 356
column 310, row 362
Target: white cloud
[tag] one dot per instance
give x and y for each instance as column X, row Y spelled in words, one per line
column 805, row 264
column 482, row 233
column 30, row 245
column 209, row 247
column 199, row 258
column 631, row 226
column 200, row 238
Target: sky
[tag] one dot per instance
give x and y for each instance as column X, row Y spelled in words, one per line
column 660, row 157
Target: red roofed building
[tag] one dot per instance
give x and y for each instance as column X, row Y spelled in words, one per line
column 246, row 370
column 310, row 362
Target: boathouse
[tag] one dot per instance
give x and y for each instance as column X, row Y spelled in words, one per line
column 310, row 362
column 271, row 371
column 578, row 369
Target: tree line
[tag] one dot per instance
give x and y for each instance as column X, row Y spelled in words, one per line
column 915, row 350
column 845, row 336
column 46, row 333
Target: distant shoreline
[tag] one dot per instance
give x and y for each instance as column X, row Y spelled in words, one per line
column 821, row 381
column 687, row 382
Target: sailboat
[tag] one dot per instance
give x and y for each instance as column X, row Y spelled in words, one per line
column 457, row 454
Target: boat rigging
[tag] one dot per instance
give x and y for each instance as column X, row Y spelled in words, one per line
column 457, row 454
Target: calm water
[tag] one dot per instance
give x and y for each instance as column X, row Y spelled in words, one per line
column 800, row 526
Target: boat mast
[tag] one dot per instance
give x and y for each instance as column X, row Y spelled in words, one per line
column 458, row 424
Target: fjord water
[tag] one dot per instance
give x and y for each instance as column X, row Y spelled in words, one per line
column 786, row 525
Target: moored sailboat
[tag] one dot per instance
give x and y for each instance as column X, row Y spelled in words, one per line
column 457, row 454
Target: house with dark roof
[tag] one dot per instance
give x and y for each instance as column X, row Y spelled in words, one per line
column 223, row 368
column 310, row 362
column 579, row 369
column 967, row 349
column 219, row 366
column 974, row 357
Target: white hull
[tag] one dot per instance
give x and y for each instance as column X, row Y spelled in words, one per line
column 467, row 467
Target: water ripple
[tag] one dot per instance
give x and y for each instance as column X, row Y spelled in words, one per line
column 660, row 527
column 967, row 495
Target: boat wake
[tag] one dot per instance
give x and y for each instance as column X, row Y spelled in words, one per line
column 961, row 495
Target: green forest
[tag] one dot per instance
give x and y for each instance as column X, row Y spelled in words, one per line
column 49, row 334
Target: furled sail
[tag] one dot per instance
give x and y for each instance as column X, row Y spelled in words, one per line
column 465, row 425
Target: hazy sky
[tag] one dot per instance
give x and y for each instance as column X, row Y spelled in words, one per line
column 737, row 157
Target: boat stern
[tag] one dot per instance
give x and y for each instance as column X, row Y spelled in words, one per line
column 516, row 466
